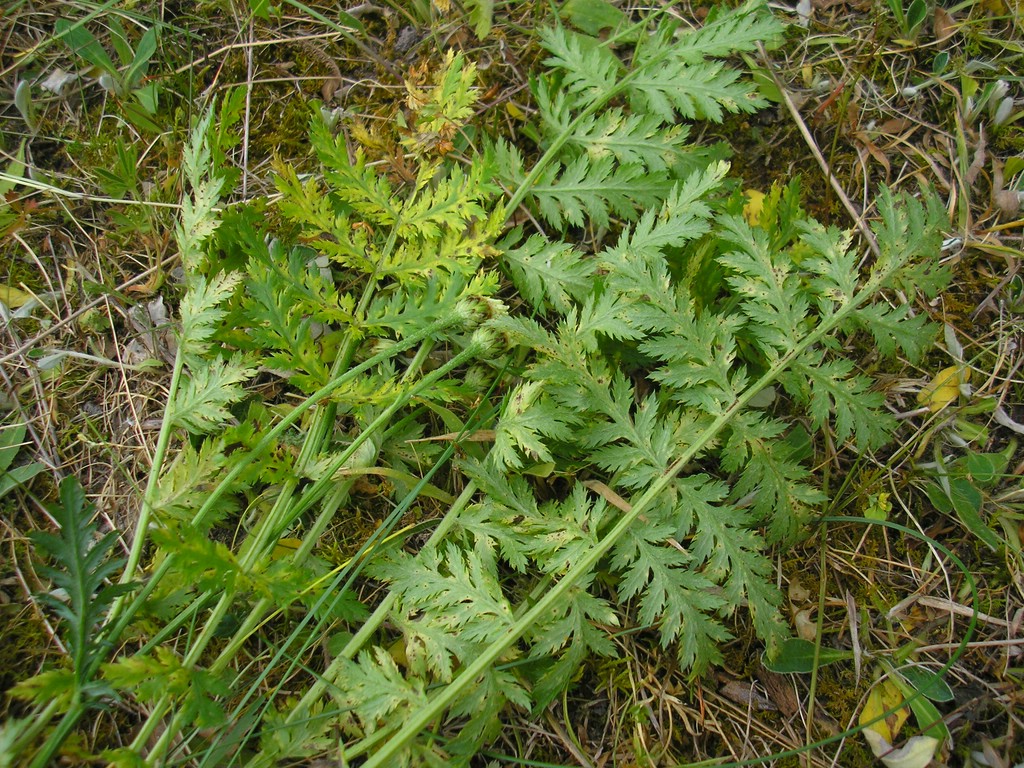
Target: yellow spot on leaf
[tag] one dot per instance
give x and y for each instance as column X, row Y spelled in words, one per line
column 755, row 204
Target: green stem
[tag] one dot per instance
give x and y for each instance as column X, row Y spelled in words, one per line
column 44, row 757
column 146, row 512
column 320, row 685
column 85, row 668
column 249, row 559
column 271, row 439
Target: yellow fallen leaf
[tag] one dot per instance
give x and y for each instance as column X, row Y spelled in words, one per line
column 944, row 388
column 285, row 548
column 916, row 753
column 514, row 111
column 14, row 297
column 755, row 204
column 881, row 699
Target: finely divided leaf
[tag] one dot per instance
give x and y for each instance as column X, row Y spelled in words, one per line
column 770, row 289
column 589, row 191
column 835, row 388
column 201, row 403
column 551, row 276
column 894, row 328
column 525, row 423
column 202, row 312
column 705, row 91
column 589, row 68
column 729, row 32
column 673, row 597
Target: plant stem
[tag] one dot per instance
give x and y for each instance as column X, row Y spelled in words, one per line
column 366, row 630
column 250, row 558
column 44, row 757
column 146, row 512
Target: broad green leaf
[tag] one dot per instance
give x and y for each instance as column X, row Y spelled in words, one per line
column 927, row 682
column 83, row 43
column 24, row 104
column 967, row 502
column 19, row 476
column 15, row 170
column 140, row 62
column 986, row 468
column 12, row 438
column 796, row 656
column 928, row 718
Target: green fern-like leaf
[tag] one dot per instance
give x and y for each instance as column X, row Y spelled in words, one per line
column 727, row 32
column 83, row 566
column 681, row 218
column 705, row 91
column 355, row 186
column 778, row 487
column 523, row 425
column 895, row 329
column 630, row 138
column 551, row 276
column 201, row 405
column 830, row 387
column 180, row 492
column 906, row 230
column 198, row 220
column 571, row 637
column 589, row 69
column 153, row 676
column 374, row 688
column 457, row 586
column 202, row 311
column 451, row 203
column 678, row 600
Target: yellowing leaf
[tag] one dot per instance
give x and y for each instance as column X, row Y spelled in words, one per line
column 14, row 297
column 514, row 111
column 944, row 388
column 879, row 506
column 916, row 753
column 285, row 548
column 366, row 137
column 755, row 204
column 881, row 699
